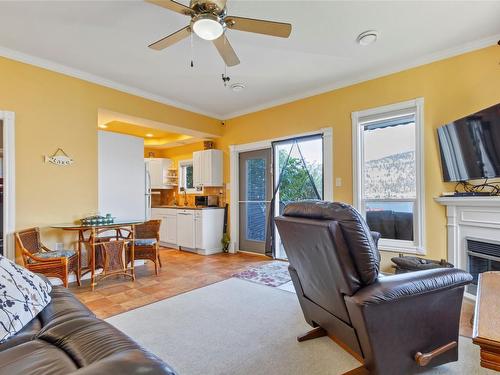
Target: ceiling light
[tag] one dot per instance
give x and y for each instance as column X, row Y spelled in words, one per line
column 207, row 26
column 237, row 87
column 368, row 37
column 149, row 135
column 102, row 126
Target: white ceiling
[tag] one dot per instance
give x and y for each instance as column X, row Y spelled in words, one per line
column 106, row 41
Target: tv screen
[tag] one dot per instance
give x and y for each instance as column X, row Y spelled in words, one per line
column 470, row 147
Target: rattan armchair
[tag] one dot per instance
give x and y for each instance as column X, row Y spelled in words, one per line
column 147, row 242
column 38, row 258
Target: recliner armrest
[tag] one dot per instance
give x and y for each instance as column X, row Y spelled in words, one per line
column 376, row 236
column 392, row 288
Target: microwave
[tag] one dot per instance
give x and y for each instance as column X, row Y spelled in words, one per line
column 206, row 200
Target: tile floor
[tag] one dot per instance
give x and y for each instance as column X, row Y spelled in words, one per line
column 181, row 272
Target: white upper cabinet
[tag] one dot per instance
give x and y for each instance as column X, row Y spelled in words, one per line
column 197, row 168
column 158, row 168
column 207, row 168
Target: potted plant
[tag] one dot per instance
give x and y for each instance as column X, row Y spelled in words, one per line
column 226, row 240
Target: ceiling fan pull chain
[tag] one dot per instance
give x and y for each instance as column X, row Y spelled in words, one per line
column 192, row 50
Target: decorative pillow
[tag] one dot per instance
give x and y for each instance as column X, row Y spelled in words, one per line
column 22, row 296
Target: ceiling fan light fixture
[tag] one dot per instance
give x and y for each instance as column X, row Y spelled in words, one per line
column 207, row 26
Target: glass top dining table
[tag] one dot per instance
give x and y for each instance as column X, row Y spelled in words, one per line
column 76, row 226
column 114, row 247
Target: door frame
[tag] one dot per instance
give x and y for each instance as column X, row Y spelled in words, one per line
column 9, row 187
column 234, row 173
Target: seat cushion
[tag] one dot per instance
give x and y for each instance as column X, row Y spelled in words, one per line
column 145, row 242
column 53, row 254
column 23, row 295
column 356, row 233
column 34, row 358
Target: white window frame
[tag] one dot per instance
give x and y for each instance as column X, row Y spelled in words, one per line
column 181, row 165
column 416, row 106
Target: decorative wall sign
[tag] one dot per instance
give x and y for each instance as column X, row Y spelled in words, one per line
column 59, row 158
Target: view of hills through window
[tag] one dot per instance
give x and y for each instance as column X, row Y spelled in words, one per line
column 389, row 167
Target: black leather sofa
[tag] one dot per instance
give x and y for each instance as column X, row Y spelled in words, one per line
column 66, row 338
column 393, row 324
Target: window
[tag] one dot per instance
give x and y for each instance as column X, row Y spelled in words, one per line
column 256, row 197
column 388, row 178
column 186, row 176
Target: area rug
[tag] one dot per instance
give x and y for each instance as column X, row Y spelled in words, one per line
column 271, row 274
column 238, row 328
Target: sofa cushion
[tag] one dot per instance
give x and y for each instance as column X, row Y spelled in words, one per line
column 87, row 340
column 130, row 362
column 28, row 333
column 356, row 233
column 64, row 306
column 34, row 358
column 22, row 296
column 52, row 254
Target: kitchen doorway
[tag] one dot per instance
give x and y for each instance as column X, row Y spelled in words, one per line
column 256, row 189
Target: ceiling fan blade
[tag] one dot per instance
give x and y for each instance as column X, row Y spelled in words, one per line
column 171, row 39
column 251, row 25
column 226, row 51
column 173, row 6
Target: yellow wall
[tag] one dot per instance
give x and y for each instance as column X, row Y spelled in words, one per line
column 451, row 88
column 54, row 110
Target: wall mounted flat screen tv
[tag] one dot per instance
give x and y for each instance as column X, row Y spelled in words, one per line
column 470, row 147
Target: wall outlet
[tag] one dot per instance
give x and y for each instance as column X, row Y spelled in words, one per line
column 59, row 246
column 338, row 182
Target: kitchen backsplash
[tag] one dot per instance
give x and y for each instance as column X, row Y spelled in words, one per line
column 173, row 196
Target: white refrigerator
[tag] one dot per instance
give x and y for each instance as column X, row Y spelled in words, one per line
column 123, row 189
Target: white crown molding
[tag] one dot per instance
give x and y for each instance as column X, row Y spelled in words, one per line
column 89, row 77
column 441, row 55
column 66, row 70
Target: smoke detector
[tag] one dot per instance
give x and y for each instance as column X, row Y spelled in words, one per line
column 367, row 37
column 237, row 87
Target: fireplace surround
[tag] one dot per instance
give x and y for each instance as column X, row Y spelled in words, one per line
column 473, row 235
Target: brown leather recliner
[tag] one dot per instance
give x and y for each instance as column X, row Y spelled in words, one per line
column 383, row 321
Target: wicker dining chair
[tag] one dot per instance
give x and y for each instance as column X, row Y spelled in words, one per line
column 147, row 242
column 38, row 258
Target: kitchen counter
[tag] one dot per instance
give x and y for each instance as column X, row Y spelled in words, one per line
column 188, row 207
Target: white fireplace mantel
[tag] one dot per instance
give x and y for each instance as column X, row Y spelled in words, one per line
column 470, row 218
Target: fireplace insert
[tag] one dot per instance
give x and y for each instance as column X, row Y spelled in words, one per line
column 482, row 256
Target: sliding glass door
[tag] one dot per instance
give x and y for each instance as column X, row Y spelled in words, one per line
column 298, row 175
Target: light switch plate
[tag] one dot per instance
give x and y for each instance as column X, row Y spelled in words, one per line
column 338, row 182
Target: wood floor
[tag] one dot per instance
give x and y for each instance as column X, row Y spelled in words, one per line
column 181, row 272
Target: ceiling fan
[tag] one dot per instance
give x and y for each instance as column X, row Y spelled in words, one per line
column 209, row 20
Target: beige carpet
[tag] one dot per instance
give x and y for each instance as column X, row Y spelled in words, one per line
column 236, row 327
